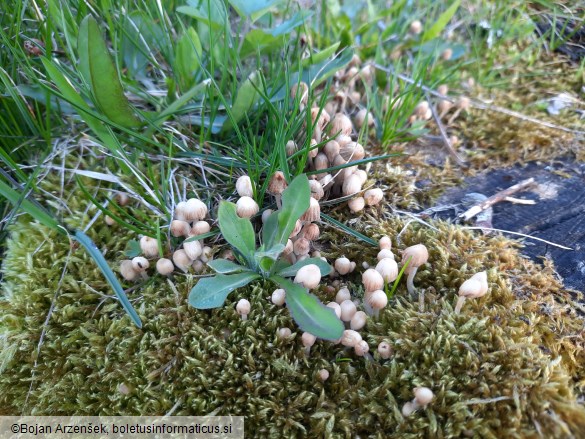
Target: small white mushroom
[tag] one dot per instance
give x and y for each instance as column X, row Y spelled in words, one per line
column 417, row 255
column 388, row 268
column 474, row 287
column 243, row 308
column 199, row 228
column 283, row 333
column 385, row 253
column 422, row 397
column 165, row 266
column 127, row 270
column 309, row 276
column 308, row 341
column 350, row 338
column 278, row 297
column 182, row 260
column 385, row 243
column 342, row 265
column 180, row 228
column 194, row 249
column 373, row 197
column 244, row 186
column 385, row 350
column 342, row 294
column 246, row 207
column 377, row 300
column 356, row 204
column 348, row 310
column 358, row 321
column 372, row 280
column 140, row 265
column 323, row 375
column 195, row 210
column 149, row 246
column 335, row 306
column 361, row 348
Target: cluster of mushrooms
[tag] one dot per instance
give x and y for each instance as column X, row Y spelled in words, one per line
column 189, row 221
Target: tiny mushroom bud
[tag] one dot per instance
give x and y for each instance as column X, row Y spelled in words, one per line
column 342, row 295
column 331, row 150
column 109, row 220
column 343, row 265
column 198, row 266
column 350, row 338
column 180, row 228
column 388, row 268
column 361, row 116
column 418, row 255
column 243, row 308
column 416, row 27
column 340, row 124
column 310, row 232
column 127, row 270
column 313, row 213
column 377, row 300
column 348, row 310
column 199, row 228
column 302, row 246
column 206, row 254
column 356, row 204
column 363, row 175
column 361, row 348
column 122, row 198
column 193, row 249
column 472, row 288
column 317, row 191
column 322, row 375
column 358, row 321
column 278, row 297
column 149, row 246
column 385, row 253
column 180, row 210
column 308, row 341
column 181, row 260
column 291, row 147
column 246, row 207
column 373, row 196
column 277, row 183
column 165, row 266
column 309, row 276
column 283, row 333
column 422, row 397
column 384, row 350
column 351, row 185
column 140, row 264
column 385, row 243
column 244, row 186
column 195, row 210
column 372, row 280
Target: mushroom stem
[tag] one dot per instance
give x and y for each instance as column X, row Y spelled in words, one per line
column 410, row 283
column 278, row 201
column 460, row 302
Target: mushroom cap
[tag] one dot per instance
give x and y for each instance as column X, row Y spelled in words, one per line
column 246, row 207
column 361, row 348
column 127, row 270
column 199, row 228
column 194, row 249
column 313, row 213
column 309, row 276
column 336, row 307
column 388, row 268
column 423, row 395
column 419, row 255
column 377, row 299
column 140, row 264
column 385, row 253
column 180, row 228
column 350, row 338
column 308, row 339
column 284, row 333
column 385, row 243
column 385, row 350
column 373, row 196
column 356, row 204
column 278, row 297
column 244, row 186
column 342, row 265
column 165, row 266
column 195, row 210
column 342, row 294
column 471, row 288
column 482, row 278
column 277, row 183
column 323, row 374
column 358, row 321
column 243, row 307
column 372, row 280
column 149, row 246
column 348, row 310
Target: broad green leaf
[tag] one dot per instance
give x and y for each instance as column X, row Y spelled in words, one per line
column 245, row 99
column 141, row 38
column 289, row 25
column 272, row 253
column 99, row 72
column 40, row 96
column 324, row 267
column 260, row 41
column 74, row 98
column 309, row 313
column 37, row 212
column 211, row 292
column 223, row 266
column 238, row 232
column 211, row 12
column 188, row 53
column 295, row 201
column 321, row 56
column 436, row 29
column 253, row 8
column 97, row 256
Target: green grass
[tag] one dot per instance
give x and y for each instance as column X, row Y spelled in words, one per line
column 214, row 90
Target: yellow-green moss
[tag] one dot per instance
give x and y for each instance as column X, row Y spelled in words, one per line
column 505, row 367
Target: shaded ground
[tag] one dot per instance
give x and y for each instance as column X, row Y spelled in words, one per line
column 558, row 214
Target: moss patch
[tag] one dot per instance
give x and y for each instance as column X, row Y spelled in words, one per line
column 508, row 366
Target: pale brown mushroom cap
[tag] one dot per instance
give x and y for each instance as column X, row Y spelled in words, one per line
column 471, row 288
column 419, row 255
column 277, row 183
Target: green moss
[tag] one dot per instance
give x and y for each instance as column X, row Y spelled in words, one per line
column 506, row 367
